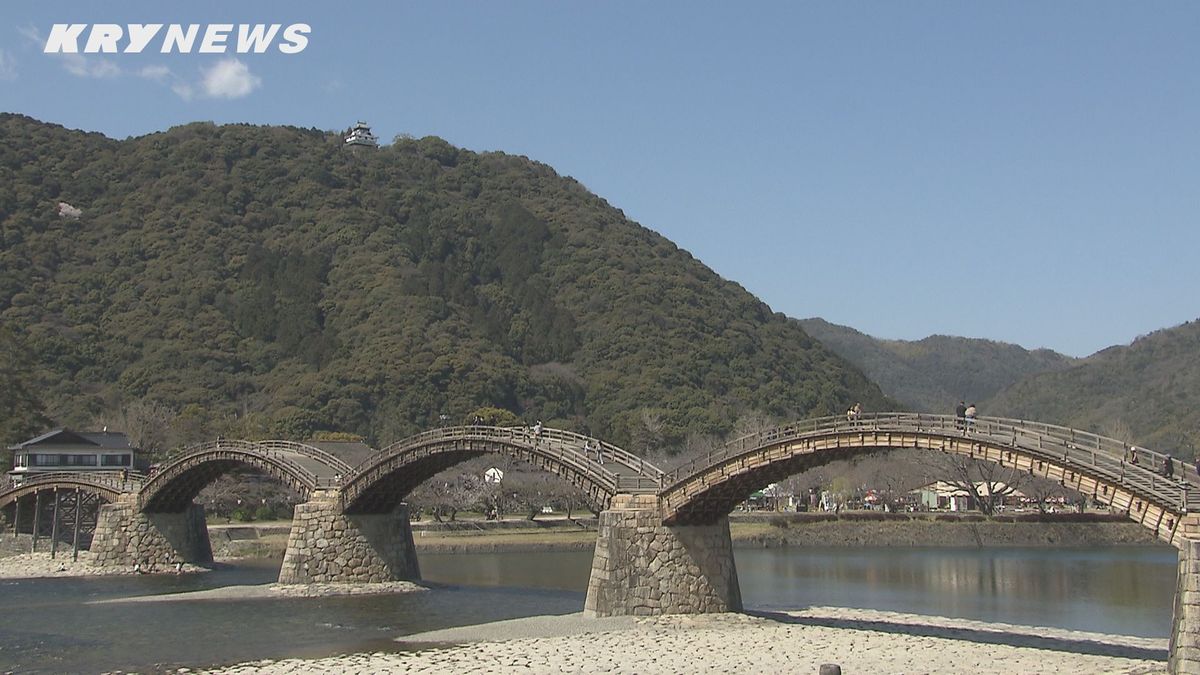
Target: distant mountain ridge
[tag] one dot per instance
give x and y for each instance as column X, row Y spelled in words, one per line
column 935, row 373
column 265, row 281
column 1146, row 392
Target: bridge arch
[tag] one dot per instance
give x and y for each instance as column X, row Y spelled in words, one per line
column 106, row 487
column 384, row 480
column 708, row 488
column 301, row 467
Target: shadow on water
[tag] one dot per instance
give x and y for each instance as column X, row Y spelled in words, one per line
column 1058, row 644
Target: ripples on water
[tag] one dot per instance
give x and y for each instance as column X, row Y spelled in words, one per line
column 47, row 625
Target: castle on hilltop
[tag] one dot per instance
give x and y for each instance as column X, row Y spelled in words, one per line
column 360, row 135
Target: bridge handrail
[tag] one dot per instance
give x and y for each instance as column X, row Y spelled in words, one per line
column 253, row 447
column 1112, row 446
column 568, row 439
column 1107, row 455
column 333, row 461
column 100, row 478
column 551, row 440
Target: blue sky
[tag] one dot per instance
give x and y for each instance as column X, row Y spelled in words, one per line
column 1021, row 171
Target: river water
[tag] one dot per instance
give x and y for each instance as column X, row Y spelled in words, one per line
column 53, row 625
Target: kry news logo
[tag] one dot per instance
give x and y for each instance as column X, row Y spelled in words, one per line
column 217, row 38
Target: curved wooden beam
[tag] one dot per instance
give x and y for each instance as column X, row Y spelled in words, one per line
column 177, row 483
column 385, row 479
column 711, row 487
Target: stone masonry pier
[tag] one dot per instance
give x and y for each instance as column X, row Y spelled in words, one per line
column 327, row 545
column 1185, row 628
column 643, row 567
column 156, row 541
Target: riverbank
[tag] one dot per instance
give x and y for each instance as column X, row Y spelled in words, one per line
column 41, row 565
column 274, row 591
column 747, row 530
column 758, row 530
column 794, row 641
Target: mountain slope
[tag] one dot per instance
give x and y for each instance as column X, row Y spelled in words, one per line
column 1146, row 392
column 266, row 281
column 935, row 373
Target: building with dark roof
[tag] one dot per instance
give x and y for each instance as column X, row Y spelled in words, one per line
column 66, row 450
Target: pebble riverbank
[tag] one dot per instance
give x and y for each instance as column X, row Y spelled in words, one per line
column 39, row 565
column 796, row 641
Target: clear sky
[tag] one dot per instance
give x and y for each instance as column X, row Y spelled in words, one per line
column 1022, row 171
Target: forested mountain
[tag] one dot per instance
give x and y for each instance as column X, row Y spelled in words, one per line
column 1147, row 392
column 267, row 281
column 935, row 373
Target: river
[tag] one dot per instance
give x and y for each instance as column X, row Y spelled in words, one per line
column 52, row 625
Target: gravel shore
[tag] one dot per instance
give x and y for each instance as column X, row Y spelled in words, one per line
column 37, row 565
column 796, row 641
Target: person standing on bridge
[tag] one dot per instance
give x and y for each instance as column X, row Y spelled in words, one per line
column 537, row 431
column 960, row 415
column 1168, row 471
column 969, row 416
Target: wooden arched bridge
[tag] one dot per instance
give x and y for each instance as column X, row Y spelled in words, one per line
column 663, row 538
column 701, row 491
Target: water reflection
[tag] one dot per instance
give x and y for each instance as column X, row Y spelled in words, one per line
column 1113, row 590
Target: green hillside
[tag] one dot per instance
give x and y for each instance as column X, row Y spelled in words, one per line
column 935, row 373
column 1147, row 392
column 266, row 281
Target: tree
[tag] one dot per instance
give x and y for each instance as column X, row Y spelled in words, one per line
column 148, row 425
column 493, row 416
column 22, row 414
column 986, row 482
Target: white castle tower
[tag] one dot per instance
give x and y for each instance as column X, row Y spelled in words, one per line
column 360, row 134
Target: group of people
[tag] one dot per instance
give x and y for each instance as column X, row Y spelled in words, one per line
column 965, row 415
column 854, row 412
column 589, row 446
column 1167, row 469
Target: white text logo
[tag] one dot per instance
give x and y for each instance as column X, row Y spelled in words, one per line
column 215, row 38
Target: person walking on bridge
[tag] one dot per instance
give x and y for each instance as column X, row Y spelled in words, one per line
column 969, row 416
column 1168, row 469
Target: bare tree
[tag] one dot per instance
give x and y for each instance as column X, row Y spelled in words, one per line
column 648, row 431
column 147, row 424
column 986, row 482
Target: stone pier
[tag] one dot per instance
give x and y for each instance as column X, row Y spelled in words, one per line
column 643, row 567
column 156, row 541
column 1185, row 629
column 328, row 545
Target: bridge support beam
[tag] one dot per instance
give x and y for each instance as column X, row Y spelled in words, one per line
column 328, row 545
column 1185, row 629
column 154, row 541
column 643, row 567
